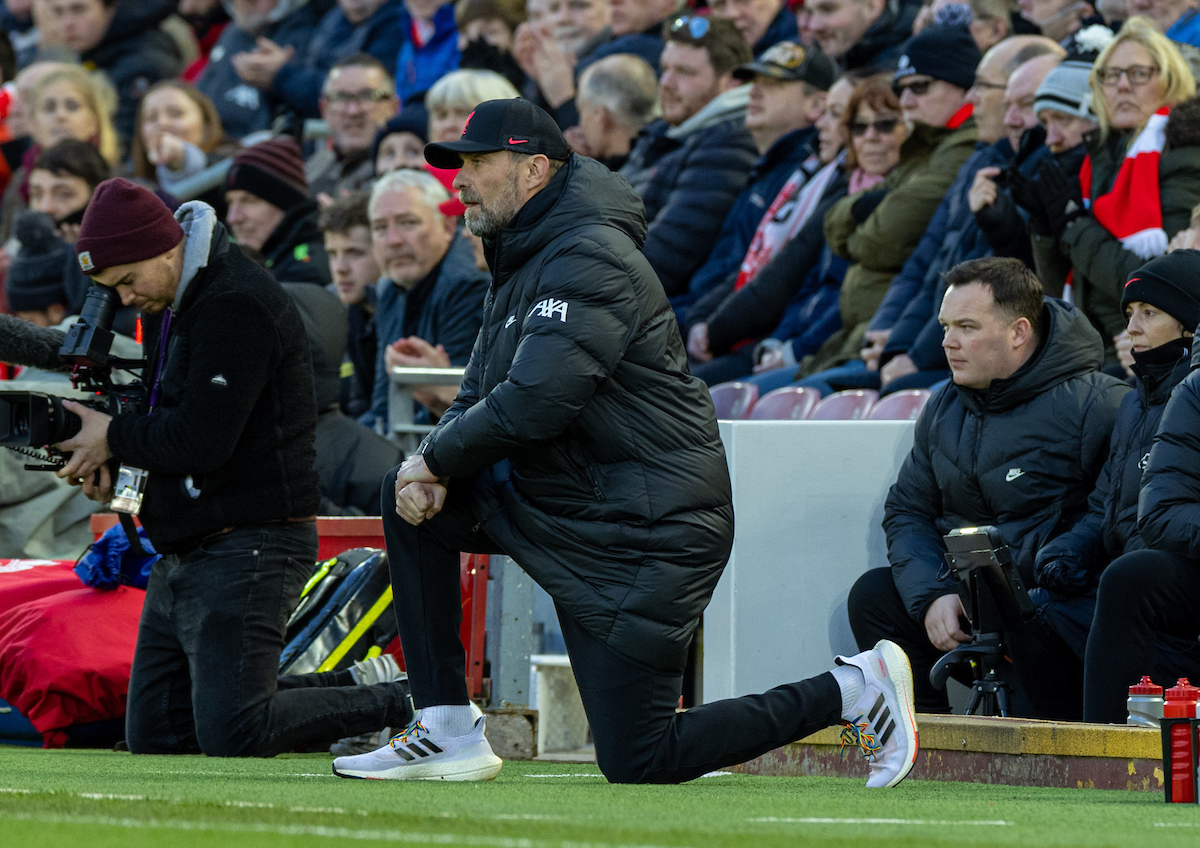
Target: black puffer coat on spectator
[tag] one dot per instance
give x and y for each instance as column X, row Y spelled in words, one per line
column 688, row 184
column 1169, row 502
column 1072, row 563
column 618, row 500
column 1022, row 455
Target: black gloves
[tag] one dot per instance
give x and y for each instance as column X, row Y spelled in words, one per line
column 1024, row 193
column 1062, row 199
column 865, row 205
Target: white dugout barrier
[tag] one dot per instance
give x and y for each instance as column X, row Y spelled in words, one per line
column 808, row 505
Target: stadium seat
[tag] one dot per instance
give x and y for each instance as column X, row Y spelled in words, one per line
column 734, row 401
column 844, row 406
column 899, row 406
column 791, row 403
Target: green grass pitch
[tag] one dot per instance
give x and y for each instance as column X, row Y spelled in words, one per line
column 98, row 799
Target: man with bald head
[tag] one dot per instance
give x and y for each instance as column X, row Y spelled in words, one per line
column 906, row 324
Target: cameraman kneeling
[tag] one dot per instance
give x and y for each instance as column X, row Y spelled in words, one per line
column 231, row 492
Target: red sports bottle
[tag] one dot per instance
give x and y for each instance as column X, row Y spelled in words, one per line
column 1181, row 702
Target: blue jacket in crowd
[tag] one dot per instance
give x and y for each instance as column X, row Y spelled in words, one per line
column 299, row 82
column 783, row 28
column 242, row 107
column 766, row 179
column 450, row 316
column 418, row 68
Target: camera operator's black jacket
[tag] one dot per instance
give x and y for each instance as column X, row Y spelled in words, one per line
column 619, row 500
column 231, row 443
column 1022, row 455
column 1169, row 503
column 1071, row 564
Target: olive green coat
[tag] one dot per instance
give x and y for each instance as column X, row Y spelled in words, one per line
column 879, row 246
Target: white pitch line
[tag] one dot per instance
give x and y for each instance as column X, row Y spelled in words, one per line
column 400, row 836
column 814, row 820
column 1177, row 824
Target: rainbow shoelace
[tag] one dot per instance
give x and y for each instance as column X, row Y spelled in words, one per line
column 855, row 735
column 402, row 737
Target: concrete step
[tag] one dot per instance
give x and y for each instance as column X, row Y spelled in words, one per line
column 1008, row 751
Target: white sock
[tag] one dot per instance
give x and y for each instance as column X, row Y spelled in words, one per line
column 852, row 682
column 453, row 720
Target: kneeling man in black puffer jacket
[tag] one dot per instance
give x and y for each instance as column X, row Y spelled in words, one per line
column 580, row 446
column 1016, row 440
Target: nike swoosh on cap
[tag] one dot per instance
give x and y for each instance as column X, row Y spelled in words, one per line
column 512, row 140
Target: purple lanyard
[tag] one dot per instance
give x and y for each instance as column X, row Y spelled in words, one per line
column 162, row 356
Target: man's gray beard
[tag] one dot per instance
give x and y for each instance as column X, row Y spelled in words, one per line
column 486, row 225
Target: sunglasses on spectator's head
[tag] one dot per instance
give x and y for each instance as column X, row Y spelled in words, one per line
column 917, row 87
column 696, row 27
column 883, row 126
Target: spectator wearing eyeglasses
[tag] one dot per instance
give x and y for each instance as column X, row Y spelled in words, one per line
column 358, row 100
column 1140, row 180
column 863, row 35
column 689, row 166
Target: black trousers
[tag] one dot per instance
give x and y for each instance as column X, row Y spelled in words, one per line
column 631, row 709
column 205, row 675
column 1147, row 621
column 1046, row 677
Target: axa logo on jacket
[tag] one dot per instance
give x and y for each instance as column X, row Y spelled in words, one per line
column 550, row 307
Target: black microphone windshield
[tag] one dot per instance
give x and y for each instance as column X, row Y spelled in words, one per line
column 28, row 345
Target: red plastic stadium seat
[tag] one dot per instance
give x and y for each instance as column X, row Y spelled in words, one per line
column 899, row 406
column 734, row 400
column 791, row 403
column 844, row 406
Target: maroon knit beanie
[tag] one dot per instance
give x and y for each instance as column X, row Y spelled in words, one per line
column 124, row 223
column 272, row 170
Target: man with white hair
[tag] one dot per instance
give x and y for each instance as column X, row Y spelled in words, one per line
column 430, row 297
column 617, row 97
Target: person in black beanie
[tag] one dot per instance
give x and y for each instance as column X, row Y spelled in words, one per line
column 1105, row 549
column 401, row 142
column 270, row 211
column 933, row 75
column 35, row 279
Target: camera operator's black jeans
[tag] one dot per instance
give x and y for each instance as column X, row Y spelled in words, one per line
column 206, row 669
column 1147, row 620
column 631, row 709
column 1046, row 678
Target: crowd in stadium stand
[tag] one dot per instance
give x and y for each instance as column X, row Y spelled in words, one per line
column 814, row 175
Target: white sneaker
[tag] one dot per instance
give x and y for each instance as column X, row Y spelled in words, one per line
column 360, row 744
column 417, row 754
column 883, row 722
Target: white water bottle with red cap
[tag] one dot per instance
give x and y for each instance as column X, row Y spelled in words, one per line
column 1145, row 704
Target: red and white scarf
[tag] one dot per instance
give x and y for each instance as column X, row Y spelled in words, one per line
column 788, row 212
column 1132, row 210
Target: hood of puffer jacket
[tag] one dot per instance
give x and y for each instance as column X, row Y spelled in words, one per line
column 583, row 193
column 1069, row 347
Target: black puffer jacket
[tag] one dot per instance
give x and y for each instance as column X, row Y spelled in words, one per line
column 1169, row 502
column 295, row 250
column 1022, row 455
column 688, row 183
column 1072, row 563
column 231, row 443
column 619, row 499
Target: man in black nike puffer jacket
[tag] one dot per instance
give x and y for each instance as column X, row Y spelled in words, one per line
column 1021, row 454
column 580, row 446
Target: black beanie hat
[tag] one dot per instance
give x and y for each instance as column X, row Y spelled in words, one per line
column 1171, row 283
column 414, row 119
column 35, row 278
column 946, row 53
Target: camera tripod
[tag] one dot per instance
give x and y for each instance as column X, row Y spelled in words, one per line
column 984, row 655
